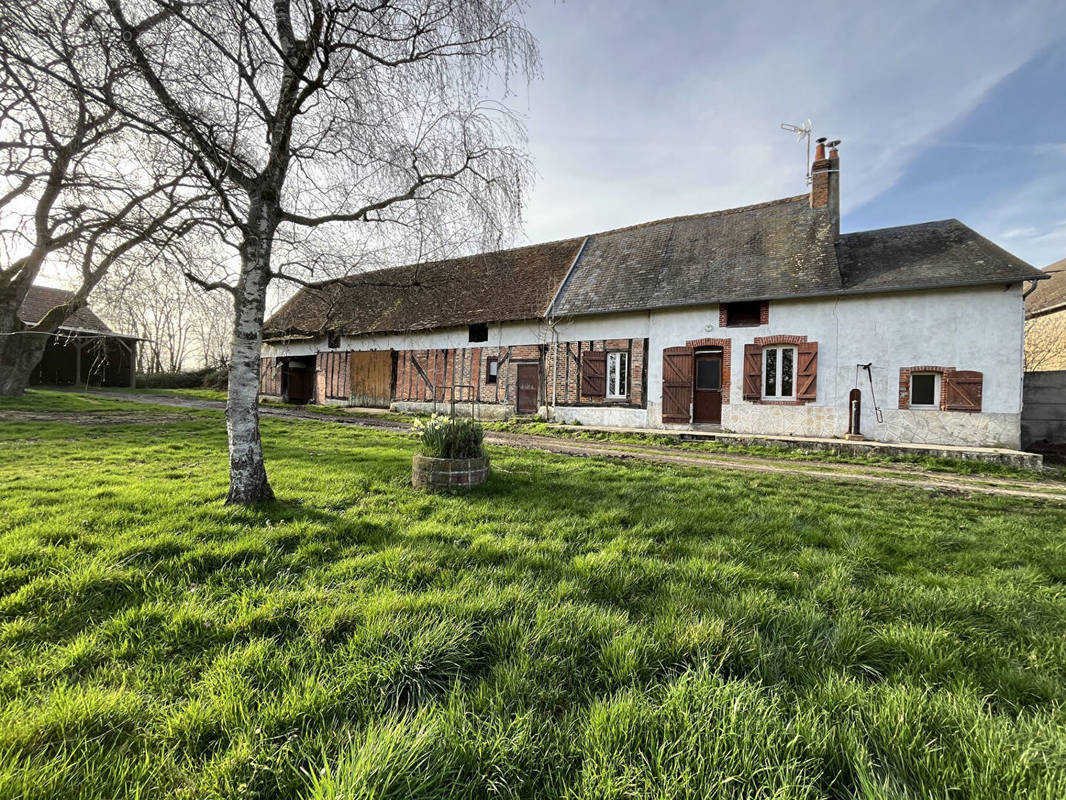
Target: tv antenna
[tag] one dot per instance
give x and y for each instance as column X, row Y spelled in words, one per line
column 802, row 132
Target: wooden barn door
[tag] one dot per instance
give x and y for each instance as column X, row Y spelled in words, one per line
column 528, row 386
column 371, row 378
column 677, row 384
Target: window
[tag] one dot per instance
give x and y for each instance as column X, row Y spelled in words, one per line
column 741, row 315
column 925, row 390
column 709, row 371
column 492, row 368
column 617, row 375
column 779, row 370
column 333, row 340
column 478, row 332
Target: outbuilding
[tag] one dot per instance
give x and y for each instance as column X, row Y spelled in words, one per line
column 83, row 351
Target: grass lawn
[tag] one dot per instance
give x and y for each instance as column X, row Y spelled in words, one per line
column 574, row 628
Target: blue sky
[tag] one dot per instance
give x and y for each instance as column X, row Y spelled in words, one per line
column 945, row 109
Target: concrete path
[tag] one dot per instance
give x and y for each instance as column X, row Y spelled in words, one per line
column 945, row 483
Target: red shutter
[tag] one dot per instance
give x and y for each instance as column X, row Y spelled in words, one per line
column 677, row 384
column 752, row 372
column 594, row 373
column 807, row 371
column 961, row 391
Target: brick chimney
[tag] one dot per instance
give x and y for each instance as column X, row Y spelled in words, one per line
column 825, row 183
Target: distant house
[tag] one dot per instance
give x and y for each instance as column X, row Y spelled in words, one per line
column 84, row 350
column 1045, row 329
column 756, row 320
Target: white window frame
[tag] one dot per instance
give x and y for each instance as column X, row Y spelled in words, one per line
column 620, row 389
column 936, row 393
column 780, row 348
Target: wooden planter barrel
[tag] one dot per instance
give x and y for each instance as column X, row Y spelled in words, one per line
column 448, row 473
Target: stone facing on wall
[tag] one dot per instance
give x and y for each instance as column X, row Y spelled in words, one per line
column 900, row 425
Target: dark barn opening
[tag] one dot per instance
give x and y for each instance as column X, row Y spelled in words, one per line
column 84, row 351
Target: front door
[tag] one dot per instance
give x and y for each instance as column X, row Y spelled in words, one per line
column 528, row 385
column 707, row 400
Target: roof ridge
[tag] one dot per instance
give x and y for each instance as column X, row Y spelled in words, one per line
column 703, row 215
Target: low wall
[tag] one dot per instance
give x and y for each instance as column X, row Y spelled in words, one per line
column 489, row 411
column 1044, row 409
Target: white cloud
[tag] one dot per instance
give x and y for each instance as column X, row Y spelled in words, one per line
column 654, row 109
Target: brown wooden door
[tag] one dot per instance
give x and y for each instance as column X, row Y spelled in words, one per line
column 300, row 382
column 528, row 386
column 707, row 392
column 371, row 378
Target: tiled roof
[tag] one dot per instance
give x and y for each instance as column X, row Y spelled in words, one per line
column 489, row 287
column 775, row 250
column 926, row 256
column 40, row 300
column 1050, row 294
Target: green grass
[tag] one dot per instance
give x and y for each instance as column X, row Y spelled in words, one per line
column 871, row 458
column 575, row 628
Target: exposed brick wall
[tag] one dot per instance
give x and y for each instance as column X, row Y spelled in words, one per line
column 460, row 374
column 334, row 381
column 763, row 341
column 568, row 371
column 727, row 360
column 270, row 376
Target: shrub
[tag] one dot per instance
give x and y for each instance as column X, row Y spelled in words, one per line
column 172, row 380
column 217, row 378
column 449, row 437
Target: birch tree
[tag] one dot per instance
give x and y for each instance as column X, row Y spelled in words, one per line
column 309, row 114
column 83, row 187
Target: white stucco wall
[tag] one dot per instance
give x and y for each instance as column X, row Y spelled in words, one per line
column 503, row 334
column 972, row 329
column 978, row 328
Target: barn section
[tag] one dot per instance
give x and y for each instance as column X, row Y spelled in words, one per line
column 83, row 351
column 420, row 336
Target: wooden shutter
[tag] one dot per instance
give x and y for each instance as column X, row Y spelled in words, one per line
column 807, row 371
column 961, row 391
column 752, row 372
column 594, row 373
column 677, row 384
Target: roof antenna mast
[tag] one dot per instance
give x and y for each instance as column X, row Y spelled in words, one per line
column 802, row 132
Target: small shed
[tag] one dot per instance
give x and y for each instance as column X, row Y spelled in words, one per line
column 83, row 350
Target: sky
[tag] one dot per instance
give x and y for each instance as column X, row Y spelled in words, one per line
column 945, row 109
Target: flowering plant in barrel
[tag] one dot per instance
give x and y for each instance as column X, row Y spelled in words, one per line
column 449, row 453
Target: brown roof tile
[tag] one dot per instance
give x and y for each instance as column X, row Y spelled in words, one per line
column 489, row 287
column 40, row 300
column 927, row 256
column 776, row 249
column 772, row 250
column 1050, row 294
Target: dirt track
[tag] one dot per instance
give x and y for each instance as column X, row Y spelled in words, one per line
column 895, row 475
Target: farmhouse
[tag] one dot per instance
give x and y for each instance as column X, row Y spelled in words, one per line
column 83, row 350
column 1045, row 311
column 763, row 319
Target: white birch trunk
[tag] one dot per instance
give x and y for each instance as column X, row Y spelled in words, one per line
column 248, row 477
